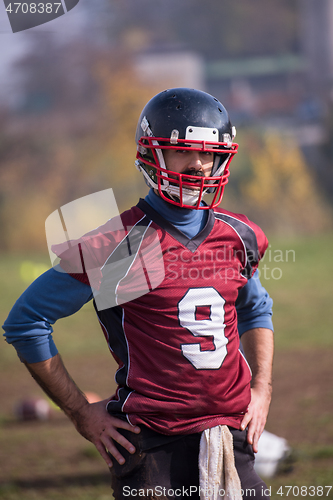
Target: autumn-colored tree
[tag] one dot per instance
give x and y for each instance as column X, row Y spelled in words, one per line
column 109, row 152
column 50, row 159
column 281, row 190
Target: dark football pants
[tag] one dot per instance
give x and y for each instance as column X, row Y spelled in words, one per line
column 165, row 467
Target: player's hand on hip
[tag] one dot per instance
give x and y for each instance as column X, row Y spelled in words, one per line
column 95, row 424
column 256, row 415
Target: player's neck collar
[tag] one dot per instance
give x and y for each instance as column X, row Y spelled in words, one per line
column 190, row 234
column 175, row 215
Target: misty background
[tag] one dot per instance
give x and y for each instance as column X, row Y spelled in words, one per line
column 71, row 92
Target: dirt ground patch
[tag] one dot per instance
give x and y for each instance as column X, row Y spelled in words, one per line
column 35, row 456
column 302, row 403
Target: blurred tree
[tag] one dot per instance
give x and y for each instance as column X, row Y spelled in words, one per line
column 279, row 191
column 54, row 75
column 236, row 29
column 52, row 158
column 215, row 29
column 111, row 149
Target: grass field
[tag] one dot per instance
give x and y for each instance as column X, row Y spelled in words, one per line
column 49, row 460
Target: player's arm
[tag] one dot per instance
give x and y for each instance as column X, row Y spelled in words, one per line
column 29, row 329
column 52, row 296
column 254, row 306
column 258, row 345
column 254, row 314
column 91, row 420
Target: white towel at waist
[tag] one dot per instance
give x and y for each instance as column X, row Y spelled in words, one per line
column 217, row 472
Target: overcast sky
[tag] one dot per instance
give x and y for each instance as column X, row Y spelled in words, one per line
column 14, row 45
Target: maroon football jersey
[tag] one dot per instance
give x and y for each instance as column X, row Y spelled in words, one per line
column 166, row 304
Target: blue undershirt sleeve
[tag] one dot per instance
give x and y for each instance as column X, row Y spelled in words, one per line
column 254, row 306
column 52, row 296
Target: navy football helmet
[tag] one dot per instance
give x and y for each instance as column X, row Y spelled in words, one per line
column 176, row 119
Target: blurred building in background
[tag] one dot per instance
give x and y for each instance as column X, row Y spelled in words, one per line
column 171, row 69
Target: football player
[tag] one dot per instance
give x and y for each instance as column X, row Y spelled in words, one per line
column 175, row 284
